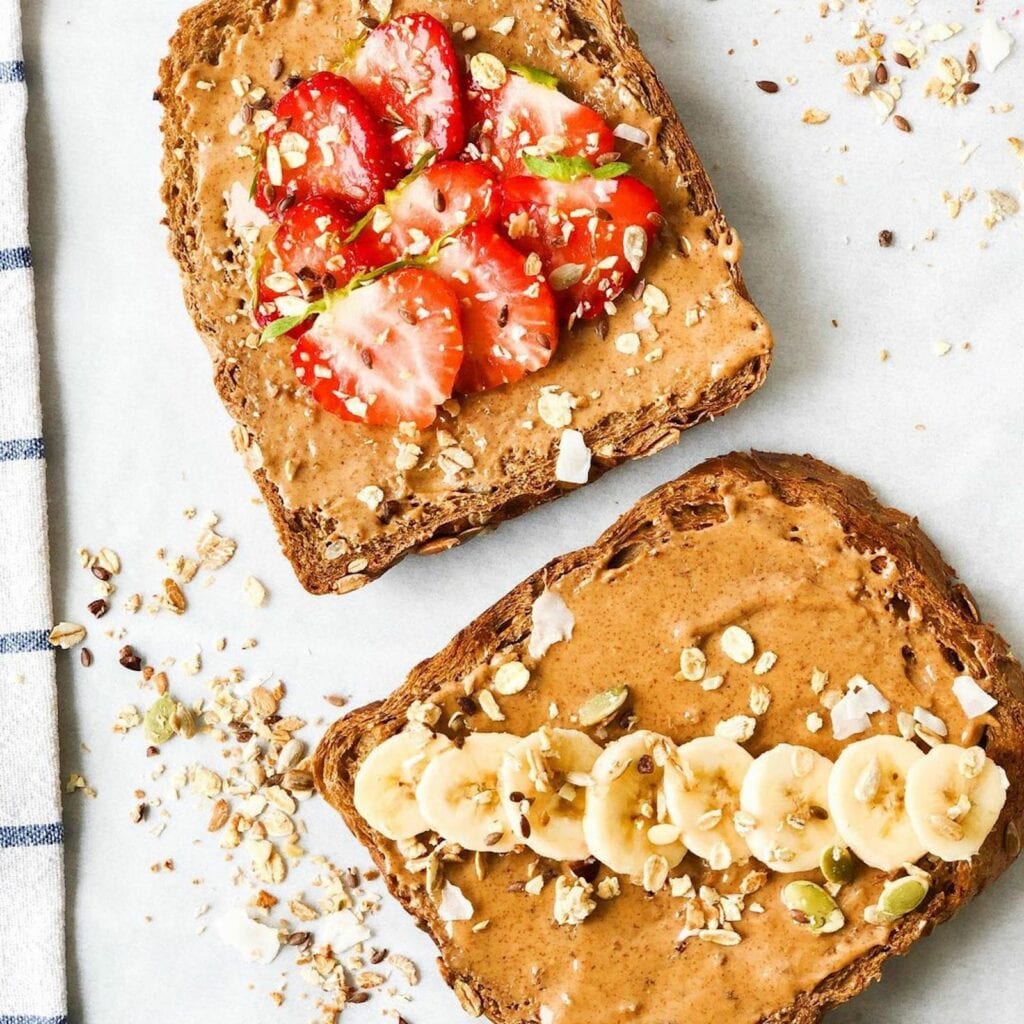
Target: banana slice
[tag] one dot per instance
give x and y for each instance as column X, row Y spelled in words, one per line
column 866, row 798
column 458, row 793
column 385, row 788
column 784, row 814
column 954, row 798
column 702, row 792
column 543, row 782
column 625, row 820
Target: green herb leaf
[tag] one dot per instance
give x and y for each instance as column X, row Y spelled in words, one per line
column 535, row 75
column 285, row 323
column 254, row 278
column 418, row 168
column 615, row 169
column 570, row 168
column 280, row 326
column 360, row 224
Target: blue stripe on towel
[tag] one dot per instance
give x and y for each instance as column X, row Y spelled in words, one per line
column 12, row 71
column 31, row 835
column 31, row 1019
column 16, row 259
column 26, row 642
column 22, row 448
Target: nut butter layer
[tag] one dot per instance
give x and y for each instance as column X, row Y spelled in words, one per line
column 760, row 603
column 349, row 500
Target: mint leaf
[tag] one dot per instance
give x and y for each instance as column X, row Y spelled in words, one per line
column 357, row 228
column 569, row 168
column 424, row 161
column 535, row 75
column 280, row 326
column 615, row 169
column 285, row 323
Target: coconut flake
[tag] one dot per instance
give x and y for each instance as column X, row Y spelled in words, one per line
column 341, row 930
column 868, row 696
column 631, row 133
column 848, row 717
column 573, row 463
column 242, row 213
column 930, row 721
column 454, row 906
column 552, row 622
column 996, row 44
column 973, row 699
column 255, row 941
column 861, row 700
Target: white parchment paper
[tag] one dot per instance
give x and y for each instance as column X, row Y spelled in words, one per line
column 135, row 434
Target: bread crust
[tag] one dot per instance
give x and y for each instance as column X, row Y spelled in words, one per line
column 202, row 35
column 690, row 502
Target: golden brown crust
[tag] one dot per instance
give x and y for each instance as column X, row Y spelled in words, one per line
column 201, row 36
column 689, row 502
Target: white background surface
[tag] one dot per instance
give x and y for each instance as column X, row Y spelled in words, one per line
column 135, row 434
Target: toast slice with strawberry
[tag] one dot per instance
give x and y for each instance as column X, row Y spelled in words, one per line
column 447, row 265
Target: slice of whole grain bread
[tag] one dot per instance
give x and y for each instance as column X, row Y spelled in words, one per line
column 310, row 536
column 692, row 503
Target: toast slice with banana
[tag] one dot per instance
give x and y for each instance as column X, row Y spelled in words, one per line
column 724, row 762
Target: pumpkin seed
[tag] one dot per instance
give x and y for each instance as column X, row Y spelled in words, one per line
column 811, row 906
column 901, row 896
column 159, row 721
column 602, row 705
column 838, row 865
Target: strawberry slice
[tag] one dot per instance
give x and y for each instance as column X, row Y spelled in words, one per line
column 443, row 198
column 591, row 233
column 529, row 114
column 408, row 71
column 325, row 142
column 508, row 313
column 307, row 256
column 385, row 353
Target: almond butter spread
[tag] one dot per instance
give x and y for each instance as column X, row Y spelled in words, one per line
column 785, row 577
column 696, row 328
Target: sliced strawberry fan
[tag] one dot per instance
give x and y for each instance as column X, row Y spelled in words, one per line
column 457, row 278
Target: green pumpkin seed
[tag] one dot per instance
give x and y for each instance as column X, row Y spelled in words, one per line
column 838, row 865
column 901, row 896
column 810, row 905
column 158, row 723
column 602, row 705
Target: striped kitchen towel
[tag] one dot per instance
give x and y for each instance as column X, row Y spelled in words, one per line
column 31, row 855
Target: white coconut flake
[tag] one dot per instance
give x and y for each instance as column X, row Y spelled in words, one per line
column 932, row 722
column 454, row 906
column 573, row 463
column 242, row 212
column 996, row 44
column 256, row 942
column 341, row 930
column 973, row 699
column 631, row 133
column 848, row 717
column 552, row 622
column 869, row 696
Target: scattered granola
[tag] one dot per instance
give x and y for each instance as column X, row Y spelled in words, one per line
column 248, row 775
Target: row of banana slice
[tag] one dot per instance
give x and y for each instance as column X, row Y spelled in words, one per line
column 558, row 793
